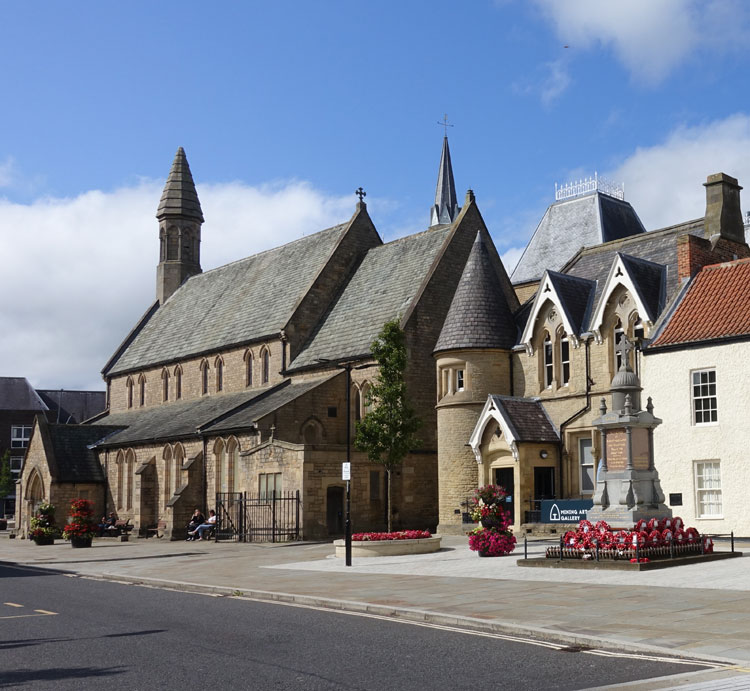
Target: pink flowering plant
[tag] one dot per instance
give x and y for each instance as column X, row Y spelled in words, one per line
column 484, row 498
column 495, row 537
column 491, row 542
column 399, row 535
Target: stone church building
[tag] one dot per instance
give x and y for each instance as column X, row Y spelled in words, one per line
column 232, row 380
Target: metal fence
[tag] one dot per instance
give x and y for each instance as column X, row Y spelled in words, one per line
column 243, row 517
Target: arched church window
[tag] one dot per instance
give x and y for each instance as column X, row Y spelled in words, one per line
column 178, row 383
column 233, row 467
column 219, row 365
column 129, row 391
column 219, row 453
column 167, row 456
column 266, row 366
column 130, row 477
column 638, row 330
column 179, row 458
column 248, row 368
column 549, row 368
column 187, row 246
column 357, row 396
column 141, row 391
column 164, row 385
column 366, row 399
column 204, row 377
column 120, row 479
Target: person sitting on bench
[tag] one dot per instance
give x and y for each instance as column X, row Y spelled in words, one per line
column 107, row 526
column 195, row 520
column 208, row 525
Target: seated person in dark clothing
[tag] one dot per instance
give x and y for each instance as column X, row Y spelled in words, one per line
column 208, row 525
column 107, row 526
column 195, row 520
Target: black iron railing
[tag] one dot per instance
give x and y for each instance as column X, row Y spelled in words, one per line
column 243, row 517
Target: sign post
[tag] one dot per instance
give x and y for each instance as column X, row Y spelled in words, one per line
column 565, row 510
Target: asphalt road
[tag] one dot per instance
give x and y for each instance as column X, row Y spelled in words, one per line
column 64, row 632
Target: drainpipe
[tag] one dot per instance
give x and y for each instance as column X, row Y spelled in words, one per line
column 574, row 416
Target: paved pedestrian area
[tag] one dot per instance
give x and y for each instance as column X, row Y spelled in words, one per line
column 694, row 610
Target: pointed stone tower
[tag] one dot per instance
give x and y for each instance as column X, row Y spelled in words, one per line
column 473, row 356
column 180, row 219
column 445, row 210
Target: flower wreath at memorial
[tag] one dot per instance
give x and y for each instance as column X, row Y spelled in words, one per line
column 495, row 537
column 658, row 537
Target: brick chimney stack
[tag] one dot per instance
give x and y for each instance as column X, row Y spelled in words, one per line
column 723, row 214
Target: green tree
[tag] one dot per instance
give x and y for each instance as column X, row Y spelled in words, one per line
column 7, row 483
column 387, row 432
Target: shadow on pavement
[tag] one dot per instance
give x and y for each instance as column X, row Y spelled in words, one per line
column 16, row 677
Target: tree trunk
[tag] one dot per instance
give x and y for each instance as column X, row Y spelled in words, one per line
column 390, row 508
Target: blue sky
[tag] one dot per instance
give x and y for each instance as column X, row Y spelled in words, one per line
column 285, row 108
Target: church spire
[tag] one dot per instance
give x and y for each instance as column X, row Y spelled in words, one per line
column 445, row 209
column 180, row 219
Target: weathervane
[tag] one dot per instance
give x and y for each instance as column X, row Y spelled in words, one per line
column 444, row 124
column 360, row 193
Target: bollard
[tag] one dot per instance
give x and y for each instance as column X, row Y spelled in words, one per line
column 637, row 553
column 671, row 549
column 562, row 542
column 700, row 537
column 731, row 537
column 597, row 550
column 525, row 547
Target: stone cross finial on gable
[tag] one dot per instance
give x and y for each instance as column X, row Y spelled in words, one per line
column 273, row 429
column 360, row 193
column 624, row 348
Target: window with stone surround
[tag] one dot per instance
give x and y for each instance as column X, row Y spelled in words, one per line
column 265, row 359
column 178, row 383
column 459, row 380
column 167, row 475
column 129, row 391
column 233, row 468
column 130, row 478
column 19, row 436
column 549, row 366
column 219, row 455
column 219, row 367
column 269, row 485
column 164, row 385
column 588, row 471
column 564, row 359
column 142, row 390
column 248, row 368
column 705, row 410
column 708, row 502
column 119, row 464
column 204, row 377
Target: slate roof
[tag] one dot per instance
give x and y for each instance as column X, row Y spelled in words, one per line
column 526, row 418
column 248, row 299
column 72, row 460
column 179, row 197
column 649, row 280
column 479, row 316
column 657, row 246
column 17, row 394
column 258, row 408
column 568, row 225
column 577, row 298
column 715, row 306
column 72, row 407
column 382, row 288
column 173, row 421
column 446, row 209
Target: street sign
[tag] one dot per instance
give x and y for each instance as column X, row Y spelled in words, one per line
column 346, row 471
column 565, row 510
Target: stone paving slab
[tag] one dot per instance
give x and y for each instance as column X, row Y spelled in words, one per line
column 694, row 610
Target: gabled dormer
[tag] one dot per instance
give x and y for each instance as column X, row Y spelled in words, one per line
column 633, row 296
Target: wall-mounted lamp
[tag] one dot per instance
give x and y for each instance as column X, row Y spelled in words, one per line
column 543, row 453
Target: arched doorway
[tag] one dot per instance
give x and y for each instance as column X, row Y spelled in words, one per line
column 335, row 509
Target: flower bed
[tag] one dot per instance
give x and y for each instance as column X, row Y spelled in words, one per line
column 399, row 535
column 654, row 539
column 390, row 544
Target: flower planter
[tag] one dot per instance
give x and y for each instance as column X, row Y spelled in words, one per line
column 46, row 540
column 388, row 548
column 493, row 522
column 80, row 542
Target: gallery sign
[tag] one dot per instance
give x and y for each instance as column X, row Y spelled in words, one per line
column 565, row 510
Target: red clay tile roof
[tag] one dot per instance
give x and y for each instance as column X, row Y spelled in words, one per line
column 716, row 305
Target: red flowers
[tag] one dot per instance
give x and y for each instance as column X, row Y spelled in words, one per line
column 81, row 522
column 399, row 535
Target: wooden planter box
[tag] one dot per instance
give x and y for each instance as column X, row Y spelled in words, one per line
column 388, row 548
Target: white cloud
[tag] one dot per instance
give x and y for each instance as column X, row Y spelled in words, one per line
column 6, row 172
column 82, row 270
column 649, row 37
column 664, row 182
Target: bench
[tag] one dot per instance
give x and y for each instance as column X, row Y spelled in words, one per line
column 119, row 529
column 160, row 527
